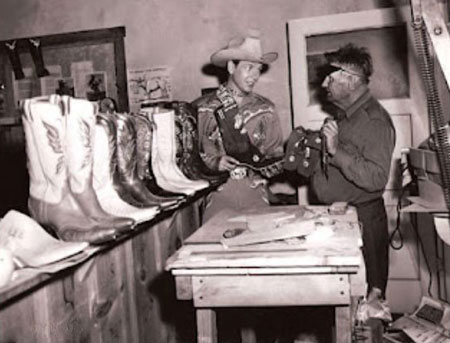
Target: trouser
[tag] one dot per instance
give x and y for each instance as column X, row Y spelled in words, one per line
column 373, row 218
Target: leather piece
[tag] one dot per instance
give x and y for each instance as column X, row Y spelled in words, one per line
column 303, row 151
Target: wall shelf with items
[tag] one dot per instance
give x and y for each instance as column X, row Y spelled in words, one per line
column 85, row 64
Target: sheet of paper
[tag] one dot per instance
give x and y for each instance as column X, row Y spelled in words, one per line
column 430, row 323
column 24, row 88
column 49, row 84
column 149, row 85
column 78, row 71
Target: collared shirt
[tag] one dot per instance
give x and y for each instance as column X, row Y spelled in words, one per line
column 256, row 115
column 359, row 170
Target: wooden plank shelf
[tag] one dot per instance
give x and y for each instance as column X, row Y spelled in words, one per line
column 120, row 293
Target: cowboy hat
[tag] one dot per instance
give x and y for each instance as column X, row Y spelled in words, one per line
column 243, row 49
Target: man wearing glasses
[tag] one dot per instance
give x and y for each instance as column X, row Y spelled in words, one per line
column 360, row 141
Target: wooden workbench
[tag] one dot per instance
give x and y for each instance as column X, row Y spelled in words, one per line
column 293, row 272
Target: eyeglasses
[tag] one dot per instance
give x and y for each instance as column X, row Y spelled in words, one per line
column 331, row 68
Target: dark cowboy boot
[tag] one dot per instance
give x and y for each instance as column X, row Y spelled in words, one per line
column 127, row 161
column 107, row 121
column 104, row 164
column 188, row 155
column 51, row 202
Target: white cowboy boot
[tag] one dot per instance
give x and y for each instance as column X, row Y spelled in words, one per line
column 103, row 182
column 80, row 137
column 163, row 156
column 143, row 129
column 50, row 201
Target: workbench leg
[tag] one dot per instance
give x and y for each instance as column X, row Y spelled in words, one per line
column 206, row 326
column 343, row 324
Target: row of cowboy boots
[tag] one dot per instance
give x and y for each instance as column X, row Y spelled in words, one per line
column 147, row 146
column 93, row 176
column 162, row 163
column 59, row 133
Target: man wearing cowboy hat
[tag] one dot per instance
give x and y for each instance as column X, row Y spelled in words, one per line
column 239, row 130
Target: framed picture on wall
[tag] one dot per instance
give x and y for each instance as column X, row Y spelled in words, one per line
column 383, row 32
column 95, row 85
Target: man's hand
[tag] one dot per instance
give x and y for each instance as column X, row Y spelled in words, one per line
column 330, row 131
column 227, row 163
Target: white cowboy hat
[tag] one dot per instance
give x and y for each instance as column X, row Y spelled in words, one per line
column 243, row 49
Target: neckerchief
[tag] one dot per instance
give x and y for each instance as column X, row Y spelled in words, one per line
column 235, row 138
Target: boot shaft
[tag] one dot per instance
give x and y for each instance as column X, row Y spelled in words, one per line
column 126, row 147
column 80, row 137
column 45, row 129
column 143, row 129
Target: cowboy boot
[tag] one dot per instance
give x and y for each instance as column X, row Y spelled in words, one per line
column 167, row 173
column 189, row 158
column 80, row 136
column 183, row 140
column 104, row 149
column 107, row 121
column 50, row 202
column 127, row 161
column 143, row 128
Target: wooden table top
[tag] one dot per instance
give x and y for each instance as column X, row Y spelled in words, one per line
column 340, row 251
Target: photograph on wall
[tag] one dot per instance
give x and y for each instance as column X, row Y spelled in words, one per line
column 387, row 47
column 150, row 85
column 95, row 84
column 78, row 71
column 65, row 86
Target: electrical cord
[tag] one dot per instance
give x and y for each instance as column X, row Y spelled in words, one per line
column 397, row 231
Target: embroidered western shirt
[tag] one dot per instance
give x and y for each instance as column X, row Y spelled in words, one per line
column 257, row 117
